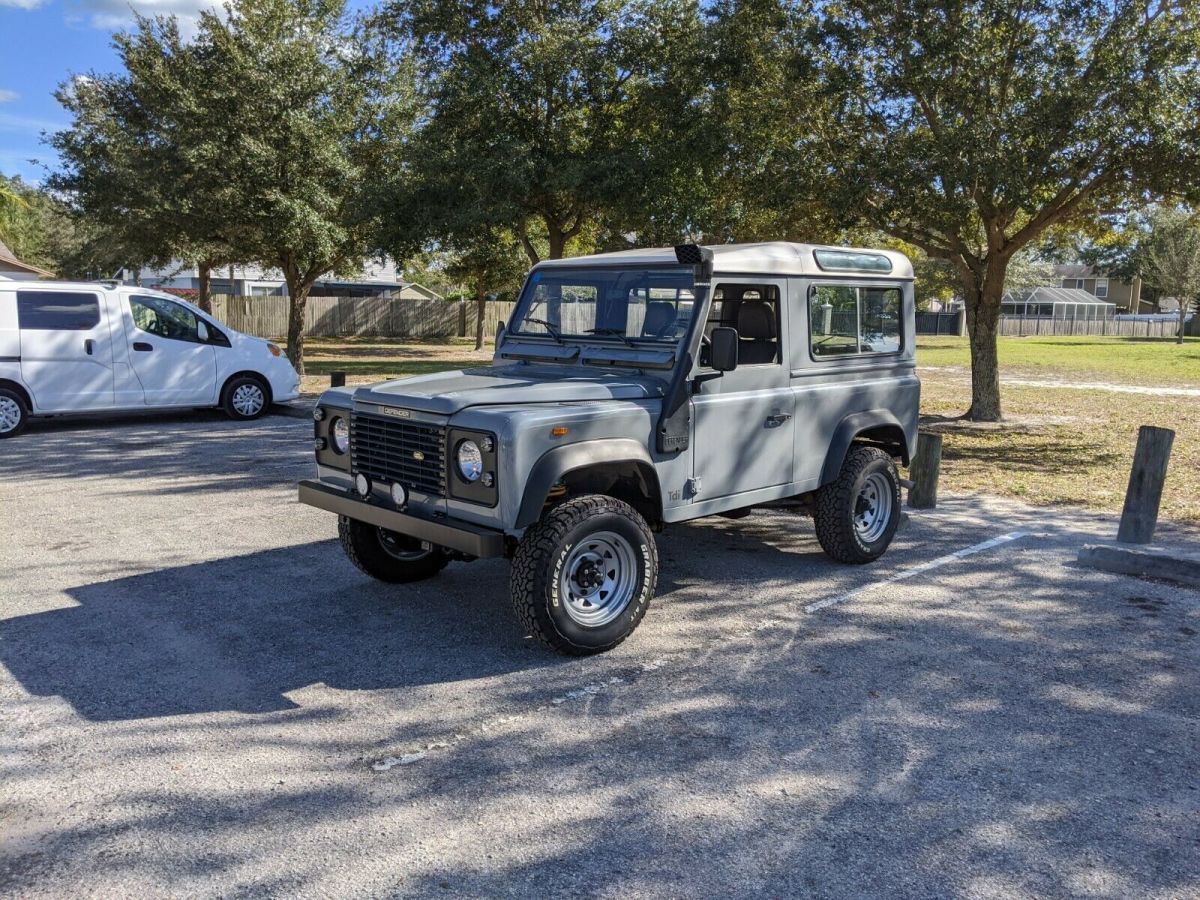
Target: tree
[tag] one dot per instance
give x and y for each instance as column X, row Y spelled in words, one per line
column 490, row 262
column 1171, row 259
column 969, row 128
column 535, row 104
column 301, row 110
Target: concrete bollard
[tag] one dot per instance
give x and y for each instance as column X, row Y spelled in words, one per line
column 337, row 379
column 924, row 469
column 1144, row 494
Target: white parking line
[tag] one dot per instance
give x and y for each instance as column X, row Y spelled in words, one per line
column 917, row 570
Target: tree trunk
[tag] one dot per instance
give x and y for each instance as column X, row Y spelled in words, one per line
column 298, row 290
column 558, row 242
column 204, row 301
column 982, row 296
column 480, row 312
column 1183, row 310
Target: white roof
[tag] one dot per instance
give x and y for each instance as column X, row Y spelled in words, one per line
column 765, row 258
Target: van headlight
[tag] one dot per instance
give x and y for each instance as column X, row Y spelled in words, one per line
column 470, row 461
column 339, row 433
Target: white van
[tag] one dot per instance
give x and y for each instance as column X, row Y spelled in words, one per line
column 82, row 347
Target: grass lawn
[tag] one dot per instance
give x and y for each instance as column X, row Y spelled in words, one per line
column 1145, row 361
column 1068, row 445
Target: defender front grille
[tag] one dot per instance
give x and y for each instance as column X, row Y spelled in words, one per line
column 412, row 453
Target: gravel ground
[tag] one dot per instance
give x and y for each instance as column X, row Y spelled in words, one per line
column 200, row 696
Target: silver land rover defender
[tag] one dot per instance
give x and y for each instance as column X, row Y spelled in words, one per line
column 630, row 391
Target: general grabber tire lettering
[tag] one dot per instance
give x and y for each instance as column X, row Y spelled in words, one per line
column 388, row 556
column 583, row 576
column 856, row 516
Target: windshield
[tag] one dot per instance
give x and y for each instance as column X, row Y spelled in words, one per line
column 596, row 303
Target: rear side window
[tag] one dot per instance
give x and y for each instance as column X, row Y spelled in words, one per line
column 847, row 320
column 57, row 311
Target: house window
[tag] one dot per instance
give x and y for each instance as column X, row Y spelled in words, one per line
column 845, row 320
column 1101, row 287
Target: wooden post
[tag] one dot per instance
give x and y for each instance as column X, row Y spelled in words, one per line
column 337, row 379
column 923, row 471
column 1144, row 494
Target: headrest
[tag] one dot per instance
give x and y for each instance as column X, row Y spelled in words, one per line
column 660, row 316
column 756, row 320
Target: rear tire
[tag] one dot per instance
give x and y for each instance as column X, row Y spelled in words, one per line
column 14, row 415
column 583, row 576
column 857, row 515
column 386, row 555
column 245, row 397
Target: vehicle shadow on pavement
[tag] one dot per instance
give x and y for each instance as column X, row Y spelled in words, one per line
column 239, row 633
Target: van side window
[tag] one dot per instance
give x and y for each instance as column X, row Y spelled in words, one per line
column 57, row 311
column 847, row 320
column 164, row 319
column 753, row 309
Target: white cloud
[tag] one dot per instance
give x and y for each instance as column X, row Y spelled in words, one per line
column 22, row 4
column 111, row 15
column 7, row 96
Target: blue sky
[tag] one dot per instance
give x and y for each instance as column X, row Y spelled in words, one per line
column 45, row 42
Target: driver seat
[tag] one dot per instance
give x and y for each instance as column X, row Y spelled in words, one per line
column 660, row 318
column 757, row 344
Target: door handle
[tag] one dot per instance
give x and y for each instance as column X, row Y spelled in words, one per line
column 88, row 346
column 777, row 420
column 142, row 345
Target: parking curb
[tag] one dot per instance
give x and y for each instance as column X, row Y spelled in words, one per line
column 1172, row 564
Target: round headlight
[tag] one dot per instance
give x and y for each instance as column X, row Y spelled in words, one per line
column 340, row 433
column 470, row 461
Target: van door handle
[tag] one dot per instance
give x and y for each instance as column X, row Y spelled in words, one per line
column 88, row 346
column 142, row 345
column 776, row 420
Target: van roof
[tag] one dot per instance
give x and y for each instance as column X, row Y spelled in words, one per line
column 764, row 258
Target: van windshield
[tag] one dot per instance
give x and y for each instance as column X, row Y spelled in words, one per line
column 599, row 303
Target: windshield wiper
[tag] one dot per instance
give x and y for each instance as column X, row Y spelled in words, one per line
column 549, row 326
column 615, row 332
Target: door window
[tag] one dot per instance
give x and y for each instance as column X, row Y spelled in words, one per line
column 57, row 311
column 847, row 320
column 753, row 309
column 165, row 319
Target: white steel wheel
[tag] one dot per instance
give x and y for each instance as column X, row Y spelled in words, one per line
column 598, row 579
column 873, row 507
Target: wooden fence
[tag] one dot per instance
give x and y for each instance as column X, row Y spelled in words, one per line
column 1017, row 326
column 388, row 317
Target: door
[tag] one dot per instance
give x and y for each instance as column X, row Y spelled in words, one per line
column 66, row 350
column 169, row 353
column 743, row 420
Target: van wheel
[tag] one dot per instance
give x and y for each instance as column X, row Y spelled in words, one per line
column 583, row 576
column 856, row 516
column 245, row 397
column 13, row 414
column 386, row 555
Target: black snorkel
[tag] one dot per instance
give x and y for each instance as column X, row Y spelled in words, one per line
column 673, row 433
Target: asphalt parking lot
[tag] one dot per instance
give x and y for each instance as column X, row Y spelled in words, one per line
column 200, row 696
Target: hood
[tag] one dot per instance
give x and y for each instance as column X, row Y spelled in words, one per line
column 448, row 392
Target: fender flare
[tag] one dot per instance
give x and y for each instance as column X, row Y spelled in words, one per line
column 851, row 427
column 559, row 461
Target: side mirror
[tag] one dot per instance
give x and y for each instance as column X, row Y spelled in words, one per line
column 724, row 350
column 499, row 333
column 201, row 330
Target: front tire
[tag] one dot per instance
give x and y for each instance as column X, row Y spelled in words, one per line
column 857, row 515
column 14, row 415
column 583, row 576
column 245, row 397
column 386, row 555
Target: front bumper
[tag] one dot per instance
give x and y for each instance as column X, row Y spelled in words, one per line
column 462, row 536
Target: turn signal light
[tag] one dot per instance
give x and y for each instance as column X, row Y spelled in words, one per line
column 275, row 351
column 559, row 431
